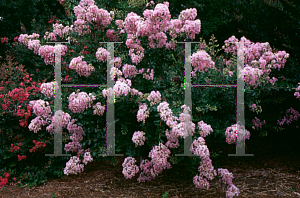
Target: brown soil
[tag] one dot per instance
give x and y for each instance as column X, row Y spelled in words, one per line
column 267, row 174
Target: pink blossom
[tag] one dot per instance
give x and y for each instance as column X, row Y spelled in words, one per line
column 102, row 54
column 138, row 138
column 201, row 61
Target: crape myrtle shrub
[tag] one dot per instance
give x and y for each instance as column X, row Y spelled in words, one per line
column 223, row 18
column 94, row 127
column 33, row 171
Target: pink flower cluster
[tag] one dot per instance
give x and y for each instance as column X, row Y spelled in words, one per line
column 159, row 155
column 28, row 40
column 253, row 107
column 81, row 28
column 122, row 87
column 134, row 92
column 191, row 28
column 48, row 89
column 129, row 167
column 154, row 97
column 87, row 158
column 201, row 61
column 24, row 38
column 289, row 118
column 98, row 109
column 136, row 51
column 130, row 22
column 183, row 129
column 160, row 38
column 143, row 113
column 129, row 70
column 207, row 171
column 120, row 24
column 199, row 148
column 188, row 14
column 81, row 101
column 50, row 36
column 148, row 77
column 60, row 30
column 47, row 52
column 227, row 179
column 39, row 107
column 155, row 25
column 138, row 138
column 81, row 67
column 257, row 124
column 77, row 136
column 164, row 111
column 251, row 75
column 60, row 118
column 102, row 54
column 73, row 166
column 87, row 11
column 204, row 128
column 186, row 127
column 110, row 34
column 117, row 62
column 150, row 169
column 42, row 111
column 98, row 16
column 267, row 59
column 36, row 123
column 206, row 168
column 34, row 45
column 297, row 94
column 115, row 71
column 233, row 131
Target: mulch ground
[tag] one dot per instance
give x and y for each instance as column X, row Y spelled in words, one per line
column 272, row 172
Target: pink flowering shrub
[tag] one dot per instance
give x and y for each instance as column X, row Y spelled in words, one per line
column 47, row 52
column 289, row 118
column 79, row 102
column 138, row 138
column 146, row 36
column 235, row 131
column 81, row 67
column 102, row 54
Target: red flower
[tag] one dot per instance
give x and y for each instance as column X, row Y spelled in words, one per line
column 6, row 175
